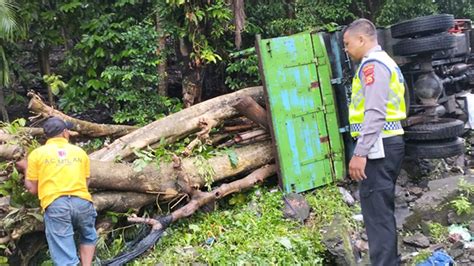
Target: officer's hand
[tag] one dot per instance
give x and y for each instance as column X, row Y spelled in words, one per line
column 357, row 168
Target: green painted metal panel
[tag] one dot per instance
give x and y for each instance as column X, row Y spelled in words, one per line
column 297, row 81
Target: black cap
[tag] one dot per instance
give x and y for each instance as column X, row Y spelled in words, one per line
column 55, row 125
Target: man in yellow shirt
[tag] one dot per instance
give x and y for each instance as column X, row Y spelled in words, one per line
column 58, row 172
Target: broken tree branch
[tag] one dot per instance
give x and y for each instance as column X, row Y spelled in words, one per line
column 36, row 105
column 202, row 136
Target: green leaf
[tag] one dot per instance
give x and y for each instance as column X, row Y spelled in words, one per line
column 37, row 216
column 194, row 227
column 233, row 158
column 286, row 242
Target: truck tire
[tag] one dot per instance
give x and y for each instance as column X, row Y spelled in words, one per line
column 444, row 128
column 442, row 41
column 422, row 26
column 434, row 149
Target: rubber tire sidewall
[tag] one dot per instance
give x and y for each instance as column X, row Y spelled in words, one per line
column 447, row 128
column 434, row 149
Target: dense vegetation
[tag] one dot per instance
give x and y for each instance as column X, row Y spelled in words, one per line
column 140, row 60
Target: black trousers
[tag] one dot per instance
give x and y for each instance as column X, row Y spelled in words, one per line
column 377, row 196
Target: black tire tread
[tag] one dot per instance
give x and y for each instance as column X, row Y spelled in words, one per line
column 443, row 41
column 444, row 128
column 434, row 149
column 422, row 26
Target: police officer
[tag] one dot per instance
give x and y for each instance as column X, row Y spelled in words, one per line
column 376, row 109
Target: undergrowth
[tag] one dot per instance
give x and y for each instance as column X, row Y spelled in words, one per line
column 249, row 228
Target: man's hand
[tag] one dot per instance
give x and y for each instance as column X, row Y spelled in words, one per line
column 357, row 168
column 21, row 165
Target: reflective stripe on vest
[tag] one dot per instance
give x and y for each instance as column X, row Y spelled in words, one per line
column 395, row 110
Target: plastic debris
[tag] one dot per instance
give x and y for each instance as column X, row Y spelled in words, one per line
column 438, row 258
column 346, row 196
column 358, row 217
column 210, row 241
column 457, row 232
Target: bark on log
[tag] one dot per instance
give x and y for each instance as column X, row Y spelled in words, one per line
column 36, row 105
column 253, row 111
column 176, row 126
column 121, row 201
column 121, row 176
column 10, row 152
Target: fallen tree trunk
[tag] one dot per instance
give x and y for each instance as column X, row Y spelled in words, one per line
column 37, row 106
column 29, row 131
column 10, row 151
column 162, row 179
column 121, row 201
column 198, row 199
column 176, row 126
column 252, row 110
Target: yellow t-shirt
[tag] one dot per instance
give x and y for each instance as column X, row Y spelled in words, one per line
column 60, row 169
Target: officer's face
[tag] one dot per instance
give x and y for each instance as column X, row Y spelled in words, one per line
column 353, row 45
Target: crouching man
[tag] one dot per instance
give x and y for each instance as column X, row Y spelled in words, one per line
column 58, row 172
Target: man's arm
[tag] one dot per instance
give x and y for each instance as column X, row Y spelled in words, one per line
column 376, row 86
column 31, row 186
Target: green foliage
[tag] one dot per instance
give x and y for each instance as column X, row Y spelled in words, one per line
column 205, row 171
column 119, row 58
column 201, row 23
column 438, row 232
column 93, row 144
column 459, row 8
column 13, row 127
column 55, row 83
column 251, row 230
column 396, row 11
column 243, row 72
column 144, row 157
column 466, row 187
column 233, row 158
column 14, row 188
column 461, row 205
column 420, row 257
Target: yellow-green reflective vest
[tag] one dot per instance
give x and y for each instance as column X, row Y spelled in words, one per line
column 396, row 109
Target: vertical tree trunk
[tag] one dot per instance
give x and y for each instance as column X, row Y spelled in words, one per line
column 3, row 108
column 290, row 9
column 163, row 78
column 45, row 68
column 192, row 79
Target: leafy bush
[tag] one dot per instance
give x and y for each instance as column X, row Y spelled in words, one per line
column 118, row 57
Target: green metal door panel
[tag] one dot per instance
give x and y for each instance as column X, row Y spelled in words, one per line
column 336, row 142
column 302, row 111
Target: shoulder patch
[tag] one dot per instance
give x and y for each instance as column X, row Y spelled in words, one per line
column 368, row 71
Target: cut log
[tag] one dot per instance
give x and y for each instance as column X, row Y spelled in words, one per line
column 176, row 126
column 163, row 179
column 37, row 106
column 10, row 152
column 121, row 201
column 246, row 137
column 252, row 110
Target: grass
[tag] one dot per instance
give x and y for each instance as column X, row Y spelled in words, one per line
column 249, row 228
